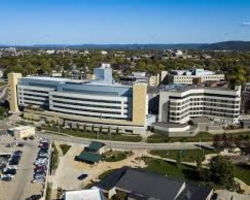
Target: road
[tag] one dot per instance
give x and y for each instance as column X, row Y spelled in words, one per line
column 126, row 145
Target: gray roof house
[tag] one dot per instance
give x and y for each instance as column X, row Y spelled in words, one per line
column 144, row 185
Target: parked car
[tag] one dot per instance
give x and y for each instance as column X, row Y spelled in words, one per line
column 10, row 171
column 12, row 167
column 38, row 180
column 7, row 178
column 25, row 138
column 31, row 137
column 35, row 197
column 82, row 176
column 20, row 145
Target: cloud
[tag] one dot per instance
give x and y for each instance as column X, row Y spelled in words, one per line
column 246, row 23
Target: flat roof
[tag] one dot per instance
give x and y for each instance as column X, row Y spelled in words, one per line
column 20, row 128
column 91, row 194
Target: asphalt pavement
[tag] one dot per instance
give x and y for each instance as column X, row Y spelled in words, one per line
column 126, row 145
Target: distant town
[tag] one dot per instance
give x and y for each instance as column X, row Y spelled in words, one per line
column 124, row 124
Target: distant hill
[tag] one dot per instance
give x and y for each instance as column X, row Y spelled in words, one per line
column 227, row 45
column 122, row 46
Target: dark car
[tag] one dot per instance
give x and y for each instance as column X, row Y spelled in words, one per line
column 40, row 167
column 35, row 197
column 25, row 138
column 18, row 151
column 20, row 145
column 82, row 176
column 31, row 137
column 10, row 171
column 6, row 179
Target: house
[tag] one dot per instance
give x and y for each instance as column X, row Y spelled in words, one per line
column 136, row 184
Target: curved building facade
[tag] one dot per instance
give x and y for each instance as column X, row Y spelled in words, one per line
column 98, row 102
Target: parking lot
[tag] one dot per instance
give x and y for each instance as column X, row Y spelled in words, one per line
column 20, row 186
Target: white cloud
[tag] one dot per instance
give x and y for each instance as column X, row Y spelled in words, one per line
column 246, row 23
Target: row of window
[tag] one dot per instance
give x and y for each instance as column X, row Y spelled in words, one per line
column 87, row 105
column 36, row 91
column 94, row 116
column 205, row 99
column 177, row 118
column 203, row 94
column 87, row 100
column 88, row 110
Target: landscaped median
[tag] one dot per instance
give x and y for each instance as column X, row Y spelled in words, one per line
column 91, row 135
column 201, row 136
column 186, row 155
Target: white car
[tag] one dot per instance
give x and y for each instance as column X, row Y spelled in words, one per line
column 12, row 167
column 41, row 162
column 37, row 180
column 7, row 175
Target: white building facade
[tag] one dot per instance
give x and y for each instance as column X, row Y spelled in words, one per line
column 218, row 104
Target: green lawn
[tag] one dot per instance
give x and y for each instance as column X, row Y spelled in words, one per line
column 55, row 157
column 201, row 136
column 65, row 148
column 187, row 155
column 243, row 173
column 101, row 136
column 114, row 156
column 104, row 174
column 161, row 138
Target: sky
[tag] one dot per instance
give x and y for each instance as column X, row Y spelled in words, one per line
column 27, row 22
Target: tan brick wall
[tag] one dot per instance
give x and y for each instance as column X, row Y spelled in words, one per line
column 12, row 95
column 139, row 104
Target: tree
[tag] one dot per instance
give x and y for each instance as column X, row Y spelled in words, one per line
column 84, row 128
column 117, row 131
column 217, row 141
column 222, row 171
column 3, row 112
column 77, row 126
column 178, row 159
column 199, row 163
column 93, row 129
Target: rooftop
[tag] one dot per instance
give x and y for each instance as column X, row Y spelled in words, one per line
column 91, row 194
column 131, row 180
column 20, row 128
column 95, row 146
column 89, row 157
column 184, row 88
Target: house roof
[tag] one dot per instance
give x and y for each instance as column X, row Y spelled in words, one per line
column 149, row 185
column 91, row 157
column 95, row 146
column 141, row 182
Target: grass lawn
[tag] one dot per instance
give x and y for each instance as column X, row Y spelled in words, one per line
column 103, row 175
column 55, row 157
column 65, row 148
column 188, row 155
column 201, row 136
column 160, row 138
column 243, row 173
column 114, row 156
column 102, row 136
